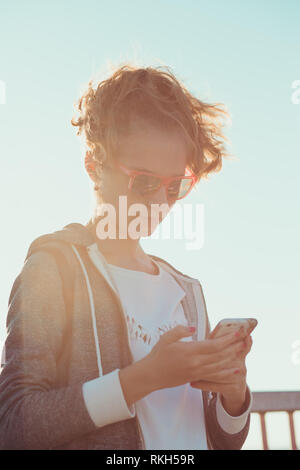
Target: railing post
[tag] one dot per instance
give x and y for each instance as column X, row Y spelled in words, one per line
column 263, row 430
column 292, row 430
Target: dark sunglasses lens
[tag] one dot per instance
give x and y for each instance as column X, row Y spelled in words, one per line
column 179, row 188
column 145, row 184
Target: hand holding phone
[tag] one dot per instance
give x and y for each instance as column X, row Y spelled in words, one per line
column 228, row 374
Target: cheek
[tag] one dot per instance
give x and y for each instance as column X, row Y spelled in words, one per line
column 140, row 210
column 121, row 198
column 111, row 190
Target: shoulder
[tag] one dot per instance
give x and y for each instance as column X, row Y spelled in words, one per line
column 40, row 262
column 49, row 255
column 36, row 294
column 38, row 275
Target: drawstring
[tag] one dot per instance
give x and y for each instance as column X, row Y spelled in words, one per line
column 92, row 309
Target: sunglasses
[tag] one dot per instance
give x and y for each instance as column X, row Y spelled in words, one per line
column 144, row 182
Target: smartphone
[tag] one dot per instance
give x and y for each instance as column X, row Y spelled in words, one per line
column 230, row 325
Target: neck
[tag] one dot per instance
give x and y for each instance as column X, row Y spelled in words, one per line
column 115, row 249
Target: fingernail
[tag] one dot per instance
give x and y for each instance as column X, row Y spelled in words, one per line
column 192, row 328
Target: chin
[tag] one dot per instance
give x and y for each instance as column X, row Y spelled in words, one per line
column 147, row 229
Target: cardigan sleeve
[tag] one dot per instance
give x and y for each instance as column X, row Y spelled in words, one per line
column 233, row 424
column 217, row 437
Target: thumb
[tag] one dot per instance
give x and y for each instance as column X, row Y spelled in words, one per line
column 179, row 331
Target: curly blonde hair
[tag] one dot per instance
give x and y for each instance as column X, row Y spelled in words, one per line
column 155, row 96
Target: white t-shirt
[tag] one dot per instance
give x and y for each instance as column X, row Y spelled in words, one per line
column 171, row 418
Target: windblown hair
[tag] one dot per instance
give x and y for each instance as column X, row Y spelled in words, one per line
column 150, row 95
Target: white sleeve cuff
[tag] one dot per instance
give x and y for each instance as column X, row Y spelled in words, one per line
column 105, row 401
column 232, row 424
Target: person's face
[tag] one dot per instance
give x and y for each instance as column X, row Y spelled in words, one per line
column 147, row 149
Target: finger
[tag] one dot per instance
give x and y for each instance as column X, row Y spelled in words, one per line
column 248, row 343
column 239, row 349
column 215, row 362
column 238, row 329
column 218, row 344
column 176, row 333
column 230, row 362
column 213, row 355
column 247, row 346
column 211, row 386
column 232, row 351
column 232, row 375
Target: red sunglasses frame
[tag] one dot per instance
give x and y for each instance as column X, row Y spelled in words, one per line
column 164, row 180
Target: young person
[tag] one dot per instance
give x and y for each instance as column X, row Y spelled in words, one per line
column 137, row 369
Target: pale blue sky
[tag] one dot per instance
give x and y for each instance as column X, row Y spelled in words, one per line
column 244, row 54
